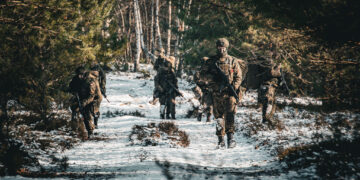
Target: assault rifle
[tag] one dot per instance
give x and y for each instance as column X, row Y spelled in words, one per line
column 103, row 93
column 80, row 106
column 283, row 81
column 225, row 79
column 175, row 89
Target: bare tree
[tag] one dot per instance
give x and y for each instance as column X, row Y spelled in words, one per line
column 137, row 36
column 152, row 28
column 180, row 43
column 157, row 26
column 169, row 31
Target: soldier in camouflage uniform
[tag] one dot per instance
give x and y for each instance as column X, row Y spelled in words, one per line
column 89, row 95
column 160, row 61
column 77, row 124
column 101, row 77
column 204, row 94
column 164, row 82
column 224, row 103
column 270, row 73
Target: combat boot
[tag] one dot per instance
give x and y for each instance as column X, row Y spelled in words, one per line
column 167, row 116
column 231, row 141
column 173, row 116
column 162, row 116
column 199, row 116
column 221, row 142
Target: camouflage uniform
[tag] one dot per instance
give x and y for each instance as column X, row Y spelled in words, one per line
column 224, row 104
column 166, row 93
column 75, row 85
column 205, row 95
column 270, row 72
column 89, row 95
column 101, row 77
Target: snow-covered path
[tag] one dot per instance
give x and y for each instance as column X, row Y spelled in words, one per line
column 116, row 158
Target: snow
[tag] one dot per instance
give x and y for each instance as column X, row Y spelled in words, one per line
column 127, row 93
column 253, row 157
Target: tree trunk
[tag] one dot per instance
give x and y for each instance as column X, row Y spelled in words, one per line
column 137, row 36
column 152, row 28
column 143, row 45
column 157, row 26
column 180, row 45
column 169, row 31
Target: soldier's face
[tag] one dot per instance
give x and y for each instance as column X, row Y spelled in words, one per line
column 221, row 50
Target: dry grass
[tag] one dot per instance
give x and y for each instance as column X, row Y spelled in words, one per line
column 151, row 134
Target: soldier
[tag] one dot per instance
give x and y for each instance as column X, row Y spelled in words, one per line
column 204, row 93
column 101, row 77
column 166, row 86
column 160, row 61
column 77, row 81
column 89, row 95
column 216, row 69
column 270, row 72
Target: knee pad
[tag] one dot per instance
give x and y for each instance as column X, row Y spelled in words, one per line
column 220, row 124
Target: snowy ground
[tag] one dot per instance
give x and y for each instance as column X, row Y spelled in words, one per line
column 115, row 156
column 253, row 157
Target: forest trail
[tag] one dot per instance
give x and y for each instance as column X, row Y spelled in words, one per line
column 116, row 157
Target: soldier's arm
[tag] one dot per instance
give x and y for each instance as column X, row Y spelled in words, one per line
column 237, row 77
column 92, row 94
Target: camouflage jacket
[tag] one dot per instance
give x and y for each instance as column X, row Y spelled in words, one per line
column 89, row 91
column 163, row 79
column 159, row 62
column 228, row 65
column 270, row 72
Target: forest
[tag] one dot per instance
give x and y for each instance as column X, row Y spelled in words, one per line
column 42, row 43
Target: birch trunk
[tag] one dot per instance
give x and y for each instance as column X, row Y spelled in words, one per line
column 157, row 27
column 183, row 28
column 169, row 32
column 152, row 37
column 143, row 45
column 137, row 36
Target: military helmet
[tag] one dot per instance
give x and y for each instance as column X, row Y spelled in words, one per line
column 222, row 42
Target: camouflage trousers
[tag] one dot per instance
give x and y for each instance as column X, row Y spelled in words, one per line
column 206, row 103
column 167, row 105
column 88, row 118
column 224, row 112
column 96, row 110
column 77, row 120
column 266, row 99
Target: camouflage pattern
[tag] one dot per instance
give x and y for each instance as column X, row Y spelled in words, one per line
column 164, row 90
column 202, row 92
column 77, row 124
column 270, row 72
column 98, row 98
column 90, row 95
column 101, row 77
column 224, row 105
